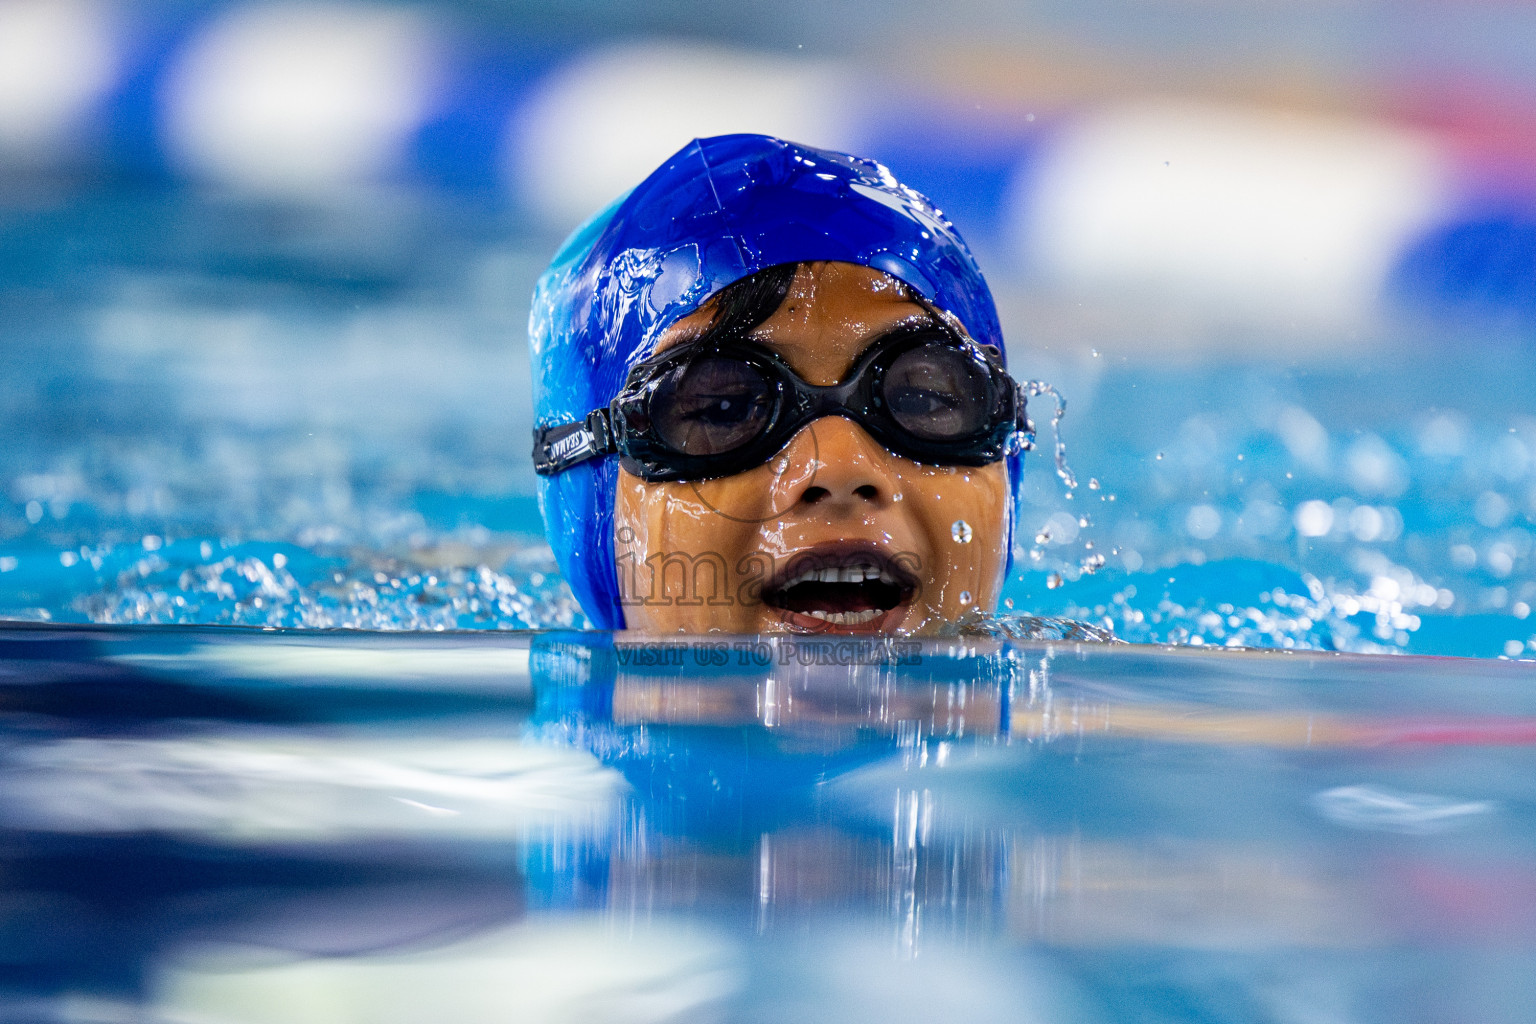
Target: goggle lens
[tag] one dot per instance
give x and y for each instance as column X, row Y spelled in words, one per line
column 938, row 393
column 711, row 406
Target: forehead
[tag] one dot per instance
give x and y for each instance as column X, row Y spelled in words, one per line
column 830, row 315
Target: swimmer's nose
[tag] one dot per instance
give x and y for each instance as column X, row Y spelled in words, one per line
column 844, row 469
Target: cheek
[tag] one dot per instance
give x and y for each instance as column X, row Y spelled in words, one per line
column 964, row 514
column 676, row 519
column 961, row 508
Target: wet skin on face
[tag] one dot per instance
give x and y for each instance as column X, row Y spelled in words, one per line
column 835, row 534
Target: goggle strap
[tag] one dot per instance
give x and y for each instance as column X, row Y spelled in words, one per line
column 564, row 445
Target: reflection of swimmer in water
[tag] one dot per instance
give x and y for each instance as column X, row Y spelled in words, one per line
column 771, row 396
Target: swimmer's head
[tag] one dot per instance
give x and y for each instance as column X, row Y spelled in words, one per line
column 807, row 258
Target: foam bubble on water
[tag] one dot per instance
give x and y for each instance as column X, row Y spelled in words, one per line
column 429, row 589
column 1444, row 436
column 1492, row 509
column 1202, row 522
column 1510, row 457
column 1313, row 518
column 1380, row 615
column 1374, row 468
column 1303, row 436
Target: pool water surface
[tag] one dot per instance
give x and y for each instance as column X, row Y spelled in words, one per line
column 249, row 826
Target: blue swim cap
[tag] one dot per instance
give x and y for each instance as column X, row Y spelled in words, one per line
column 717, row 211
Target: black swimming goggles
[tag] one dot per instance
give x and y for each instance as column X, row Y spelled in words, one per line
column 925, row 392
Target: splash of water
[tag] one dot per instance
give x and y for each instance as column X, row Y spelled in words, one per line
column 1034, row 389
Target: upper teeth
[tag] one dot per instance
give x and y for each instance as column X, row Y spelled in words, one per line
column 843, row 574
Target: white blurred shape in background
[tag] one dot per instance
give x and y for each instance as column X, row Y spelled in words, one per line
column 1273, row 215
column 259, row 788
column 295, row 99
column 599, row 126
column 57, row 59
column 584, row 969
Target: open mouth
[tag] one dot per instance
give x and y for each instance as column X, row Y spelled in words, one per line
column 858, row 589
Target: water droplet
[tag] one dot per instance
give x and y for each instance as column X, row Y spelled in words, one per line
column 965, row 597
column 1036, row 555
column 781, row 466
column 1094, row 352
column 1158, row 456
column 1084, row 521
column 961, row 531
column 1043, row 537
column 896, row 496
column 1053, row 580
column 1008, row 603
column 1239, row 456
column 1093, row 483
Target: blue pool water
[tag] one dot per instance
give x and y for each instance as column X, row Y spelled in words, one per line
column 219, row 412
column 315, row 420
column 254, row 826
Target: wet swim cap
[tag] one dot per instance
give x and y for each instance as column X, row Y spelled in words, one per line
column 718, row 210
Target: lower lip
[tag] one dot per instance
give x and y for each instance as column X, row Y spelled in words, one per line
column 800, row 622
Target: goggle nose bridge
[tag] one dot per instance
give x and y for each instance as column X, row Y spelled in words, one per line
column 815, row 401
